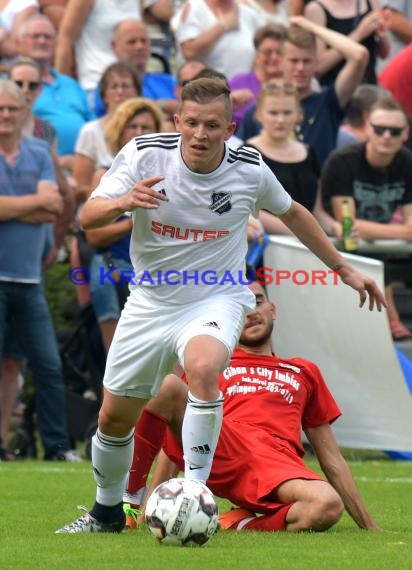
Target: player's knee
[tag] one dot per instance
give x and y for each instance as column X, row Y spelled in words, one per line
column 201, row 368
column 114, row 424
column 202, row 379
column 327, row 511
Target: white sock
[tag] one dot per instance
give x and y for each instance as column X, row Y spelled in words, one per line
column 200, row 433
column 111, row 460
column 135, row 498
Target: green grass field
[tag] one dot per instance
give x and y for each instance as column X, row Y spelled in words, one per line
column 37, row 497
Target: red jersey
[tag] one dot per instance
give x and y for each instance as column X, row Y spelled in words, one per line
column 267, row 402
column 278, row 395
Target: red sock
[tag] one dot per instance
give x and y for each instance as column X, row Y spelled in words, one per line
column 274, row 522
column 148, row 439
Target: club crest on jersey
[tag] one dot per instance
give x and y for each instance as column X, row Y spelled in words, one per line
column 220, row 202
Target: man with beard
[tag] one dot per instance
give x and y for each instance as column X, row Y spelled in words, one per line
column 258, row 463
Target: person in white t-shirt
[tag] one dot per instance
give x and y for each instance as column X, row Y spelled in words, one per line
column 190, row 194
column 217, row 32
column 87, row 27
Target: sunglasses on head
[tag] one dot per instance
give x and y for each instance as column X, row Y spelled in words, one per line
column 393, row 131
column 284, row 86
column 32, row 85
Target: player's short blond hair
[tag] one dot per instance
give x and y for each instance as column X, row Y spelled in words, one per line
column 205, row 90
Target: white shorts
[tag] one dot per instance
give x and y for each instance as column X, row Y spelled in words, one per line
column 151, row 337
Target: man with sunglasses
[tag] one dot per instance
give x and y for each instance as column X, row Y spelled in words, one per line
column 62, row 101
column 377, row 178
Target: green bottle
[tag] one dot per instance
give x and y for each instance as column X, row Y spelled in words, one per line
column 349, row 242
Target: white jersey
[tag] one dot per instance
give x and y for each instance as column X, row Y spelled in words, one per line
column 195, row 244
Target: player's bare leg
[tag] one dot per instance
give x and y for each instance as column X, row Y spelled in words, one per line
column 316, row 505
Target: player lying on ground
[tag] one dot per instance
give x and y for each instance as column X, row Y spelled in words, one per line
column 258, row 461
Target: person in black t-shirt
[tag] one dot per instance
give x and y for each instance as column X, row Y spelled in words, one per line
column 377, row 178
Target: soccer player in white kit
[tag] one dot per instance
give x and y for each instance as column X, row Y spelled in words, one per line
column 190, row 194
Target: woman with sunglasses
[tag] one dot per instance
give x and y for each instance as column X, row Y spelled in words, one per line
column 293, row 162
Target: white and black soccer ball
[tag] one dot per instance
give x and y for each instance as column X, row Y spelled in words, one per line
column 182, row 512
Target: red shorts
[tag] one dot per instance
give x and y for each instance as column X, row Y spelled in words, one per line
column 249, row 464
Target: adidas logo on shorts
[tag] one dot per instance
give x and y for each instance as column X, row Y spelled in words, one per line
column 212, row 324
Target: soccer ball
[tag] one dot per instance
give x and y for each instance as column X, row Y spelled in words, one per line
column 182, row 512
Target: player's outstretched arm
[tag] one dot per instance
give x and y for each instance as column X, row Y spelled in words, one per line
column 339, row 475
column 301, row 222
column 164, row 470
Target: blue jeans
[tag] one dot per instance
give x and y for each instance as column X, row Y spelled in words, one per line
column 105, row 298
column 24, row 308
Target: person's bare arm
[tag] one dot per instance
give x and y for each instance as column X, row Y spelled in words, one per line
column 75, row 16
column 103, row 237
column 272, row 224
column 356, row 57
column 38, row 218
column 296, row 7
column 64, row 220
column 301, row 222
column 369, row 230
column 84, row 169
column 383, row 44
column 398, row 24
column 9, row 41
column 47, row 200
column 339, row 475
column 329, row 225
column 198, row 47
column 164, row 469
column 99, row 212
column 54, row 12
column 160, row 11
column 371, row 24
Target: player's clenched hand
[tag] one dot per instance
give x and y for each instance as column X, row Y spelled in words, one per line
column 142, row 195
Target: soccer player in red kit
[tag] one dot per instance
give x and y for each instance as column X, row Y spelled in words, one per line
column 258, row 463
